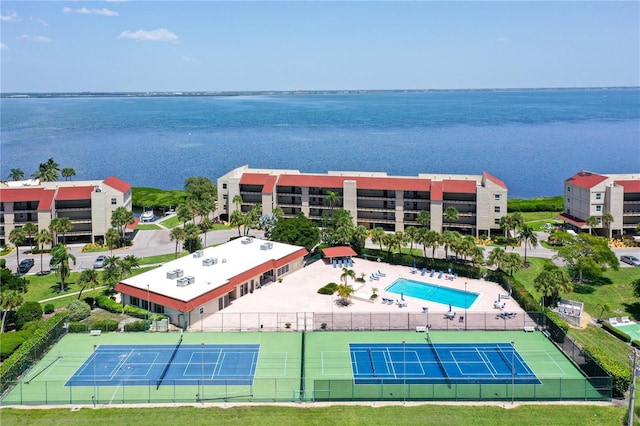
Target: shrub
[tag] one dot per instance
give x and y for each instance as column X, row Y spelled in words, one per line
column 136, row 312
column 105, row 325
column 109, row 304
column 328, row 289
column 49, row 308
column 3, row 263
column 139, row 325
column 619, row 372
column 78, row 327
column 29, row 311
column 9, row 343
column 616, row 332
column 78, row 310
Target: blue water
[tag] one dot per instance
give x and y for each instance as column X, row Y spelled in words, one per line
column 433, row 293
column 532, row 140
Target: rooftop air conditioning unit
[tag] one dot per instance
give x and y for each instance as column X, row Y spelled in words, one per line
column 179, row 273
column 209, row 261
column 264, row 246
column 182, row 282
column 190, row 279
column 198, row 253
column 172, row 275
column 247, row 240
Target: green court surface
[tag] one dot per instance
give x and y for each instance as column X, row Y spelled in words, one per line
column 632, row 329
column 294, row 366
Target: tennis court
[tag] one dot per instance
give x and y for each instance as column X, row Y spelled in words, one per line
column 117, row 365
column 438, row 363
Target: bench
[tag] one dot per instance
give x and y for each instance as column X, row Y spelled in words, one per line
column 95, row 332
column 547, row 334
column 529, row 328
column 421, row 329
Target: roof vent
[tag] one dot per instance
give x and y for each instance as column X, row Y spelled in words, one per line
column 247, row 240
column 266, row 246
column 198, row 253
column 175, row 273
column 209, row 261
column 97, row 189
column 185, row 281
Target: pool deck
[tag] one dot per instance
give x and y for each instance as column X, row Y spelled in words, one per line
column 298, row 292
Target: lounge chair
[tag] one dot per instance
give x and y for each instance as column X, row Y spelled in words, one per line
column 506, row 296
column 424, row 272
column 381, row 274
column 425, row 309
column 414, row 270
column 613, row 321
column 335, row 263
column 450, row 315
column 433, row 272
column 440, row 274
column 625, row 320
column 340, row 263
column 373, row 277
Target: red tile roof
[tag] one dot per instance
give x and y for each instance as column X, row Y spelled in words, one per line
column 630, row 185
column 362, row 182
column 573, row 220
column 339, row 252
column 117, row 184
column 494, row 180
column 585, row 179
column 436, row 191
column 459, row 186
column 268, row 182
column 43, row 196
column 74, row 193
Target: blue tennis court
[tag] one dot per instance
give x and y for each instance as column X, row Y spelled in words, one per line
column 446, row 363
column 113, row 365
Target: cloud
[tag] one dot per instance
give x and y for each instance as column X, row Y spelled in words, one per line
column 85, row 11
column 13, row 17
column 160, row 34
column 39, row 39
column 39, row 21
column 4, row 46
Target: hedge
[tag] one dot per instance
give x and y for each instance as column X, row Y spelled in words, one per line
column 619, row 372
column 77, row 327
column 616, row 332
column 105, row 325
column 109, row 304
column 139, row 325
column 328, row 289
column 10, row 342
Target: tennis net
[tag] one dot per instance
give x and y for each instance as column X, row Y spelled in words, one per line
column 166, row 367
column 439, row 360
column 373, row 366
column 505, row 359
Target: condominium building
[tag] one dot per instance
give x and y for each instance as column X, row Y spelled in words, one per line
column 88, row 204
column 588, row 194
column 373, row 199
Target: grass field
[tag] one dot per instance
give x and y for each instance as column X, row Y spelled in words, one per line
column 334, row 415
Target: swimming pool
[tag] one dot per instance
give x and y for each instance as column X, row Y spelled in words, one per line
column 433, row 293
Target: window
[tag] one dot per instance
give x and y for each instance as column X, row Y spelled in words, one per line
column 568, row 200
column 496, row 221
column 114, row 201
column 224, row 196
column 598, row 208
column 496, row 209
column 598, row 196
column 496, row 197
column 568, row 211
column 568, row 189
column 224, row 186
column 283, row 270
column 134, row 301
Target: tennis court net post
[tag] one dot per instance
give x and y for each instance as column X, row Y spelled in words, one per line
column 166, row 367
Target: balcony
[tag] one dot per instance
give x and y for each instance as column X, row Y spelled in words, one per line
column 446, row 202
column 73, row 209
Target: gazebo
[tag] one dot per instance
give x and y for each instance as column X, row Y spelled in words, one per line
column 342, row 253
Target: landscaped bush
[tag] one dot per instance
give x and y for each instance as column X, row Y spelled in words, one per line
column 616, row 332
column 105, row 325
column 619, row 372
column 29, row 311
column 328, row 289
column 139, row 325
column 136, row 312
column 49, row 308
column 78, row 327
column 109, row 304
column 78, row 310
column 10, row 342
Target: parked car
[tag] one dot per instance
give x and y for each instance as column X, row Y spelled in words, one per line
column 631, row 260
column 52, row 265
column 99, row 263
column 25, row 265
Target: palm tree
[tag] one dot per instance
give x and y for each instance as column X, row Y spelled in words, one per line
column 30, row 228
column 68, row 173
column 16, row 174
column 449, row 239
column 591, row 222
column 48, row 171
column 377, row 236
column 43, row 237
column 424, row 218
column 512, row 262
column 332, row 199
column 112, row 238
column 433, row 240
column 60, row 258
column 411, row 233
column 237, row 219
column 346, row 274
column 603, row 308
column 177, row 234
column 237, row 200
column 550, row 282
column 477, row 255
column 120, row 218
column 191, row 234
column 205, row 225
column 88, row 276
column 344, row 291
column 399, row 239
column 184, row 213
column 278, row 212
column 62, row 225
column 388, row 240
column 496, row 258
column 451, row 214
column 505, row 224
column 17, row 237
column 127, row 264
column 517, row 221
column 528, row 237
column 9, row 301
column 607, row 220
column 359, row 236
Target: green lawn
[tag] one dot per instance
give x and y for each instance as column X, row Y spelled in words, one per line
column 337, row 414
column 174, row 221
column 153, row 197
column 148, row 227
column 161, row 258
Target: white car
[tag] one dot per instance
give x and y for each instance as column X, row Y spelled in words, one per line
column 631, row 260
column 99, row 263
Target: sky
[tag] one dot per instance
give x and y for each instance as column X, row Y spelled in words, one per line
column 182, row 46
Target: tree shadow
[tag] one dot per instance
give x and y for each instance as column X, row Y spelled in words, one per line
column 600, row 281
column 55, row 288
column 583, row 289
column 633, row 309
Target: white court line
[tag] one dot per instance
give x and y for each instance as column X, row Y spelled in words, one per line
column 553, row 361
column 199, row 361
column 151, row 364
column 487, row 363
column 114, row 394
column 339, row 362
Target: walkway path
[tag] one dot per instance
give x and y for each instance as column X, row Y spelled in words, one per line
column 70, row 294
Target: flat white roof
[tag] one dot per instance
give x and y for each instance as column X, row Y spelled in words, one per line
column 233, row 258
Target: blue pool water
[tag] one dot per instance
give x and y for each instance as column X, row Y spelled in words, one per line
column 433, row 293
